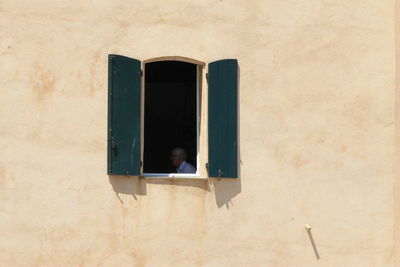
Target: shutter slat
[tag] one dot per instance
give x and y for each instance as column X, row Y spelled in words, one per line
column 124, row 115
column 222, row 118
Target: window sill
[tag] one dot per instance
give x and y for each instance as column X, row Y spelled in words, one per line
column 173, row 176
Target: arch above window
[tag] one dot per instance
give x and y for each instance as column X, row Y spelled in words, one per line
column 176, row 58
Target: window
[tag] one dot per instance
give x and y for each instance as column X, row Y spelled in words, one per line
column 151, row 112
column 170, row 114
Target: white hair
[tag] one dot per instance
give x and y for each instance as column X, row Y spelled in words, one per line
column 179, row 152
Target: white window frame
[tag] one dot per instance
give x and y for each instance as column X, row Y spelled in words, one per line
column 200, row 157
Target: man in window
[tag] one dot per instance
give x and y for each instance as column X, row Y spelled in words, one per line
column 178, row 159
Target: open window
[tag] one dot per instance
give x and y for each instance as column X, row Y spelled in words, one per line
column 171, row 115
column 158, row 106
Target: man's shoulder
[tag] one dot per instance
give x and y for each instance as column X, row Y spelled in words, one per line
column 188, row 167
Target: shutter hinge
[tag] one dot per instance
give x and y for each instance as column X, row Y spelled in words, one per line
column 141, row 163
column 207, row 77
column 113, row 143
column 141, row 72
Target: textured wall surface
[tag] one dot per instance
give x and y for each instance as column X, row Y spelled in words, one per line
column 317, row 135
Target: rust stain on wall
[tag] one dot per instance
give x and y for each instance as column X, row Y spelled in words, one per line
column 299, row 162
column 140, row 258
column 42, row 83
column 6, row 180
column 124, row 23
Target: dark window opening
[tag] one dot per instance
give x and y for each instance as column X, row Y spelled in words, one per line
column 170, row 114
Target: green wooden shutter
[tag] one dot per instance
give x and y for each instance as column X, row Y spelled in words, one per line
column 124, row 81
column 222, row 118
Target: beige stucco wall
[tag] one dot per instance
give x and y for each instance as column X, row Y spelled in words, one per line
column 317, row 135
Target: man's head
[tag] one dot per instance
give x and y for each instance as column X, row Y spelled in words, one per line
column 178, row 155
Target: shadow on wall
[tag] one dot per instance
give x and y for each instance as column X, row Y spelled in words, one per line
column 127, row 186
column 225, row 189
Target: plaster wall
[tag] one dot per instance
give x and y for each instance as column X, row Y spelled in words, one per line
column 317, row 135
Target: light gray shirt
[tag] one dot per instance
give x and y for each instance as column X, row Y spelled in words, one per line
column 186, row 167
